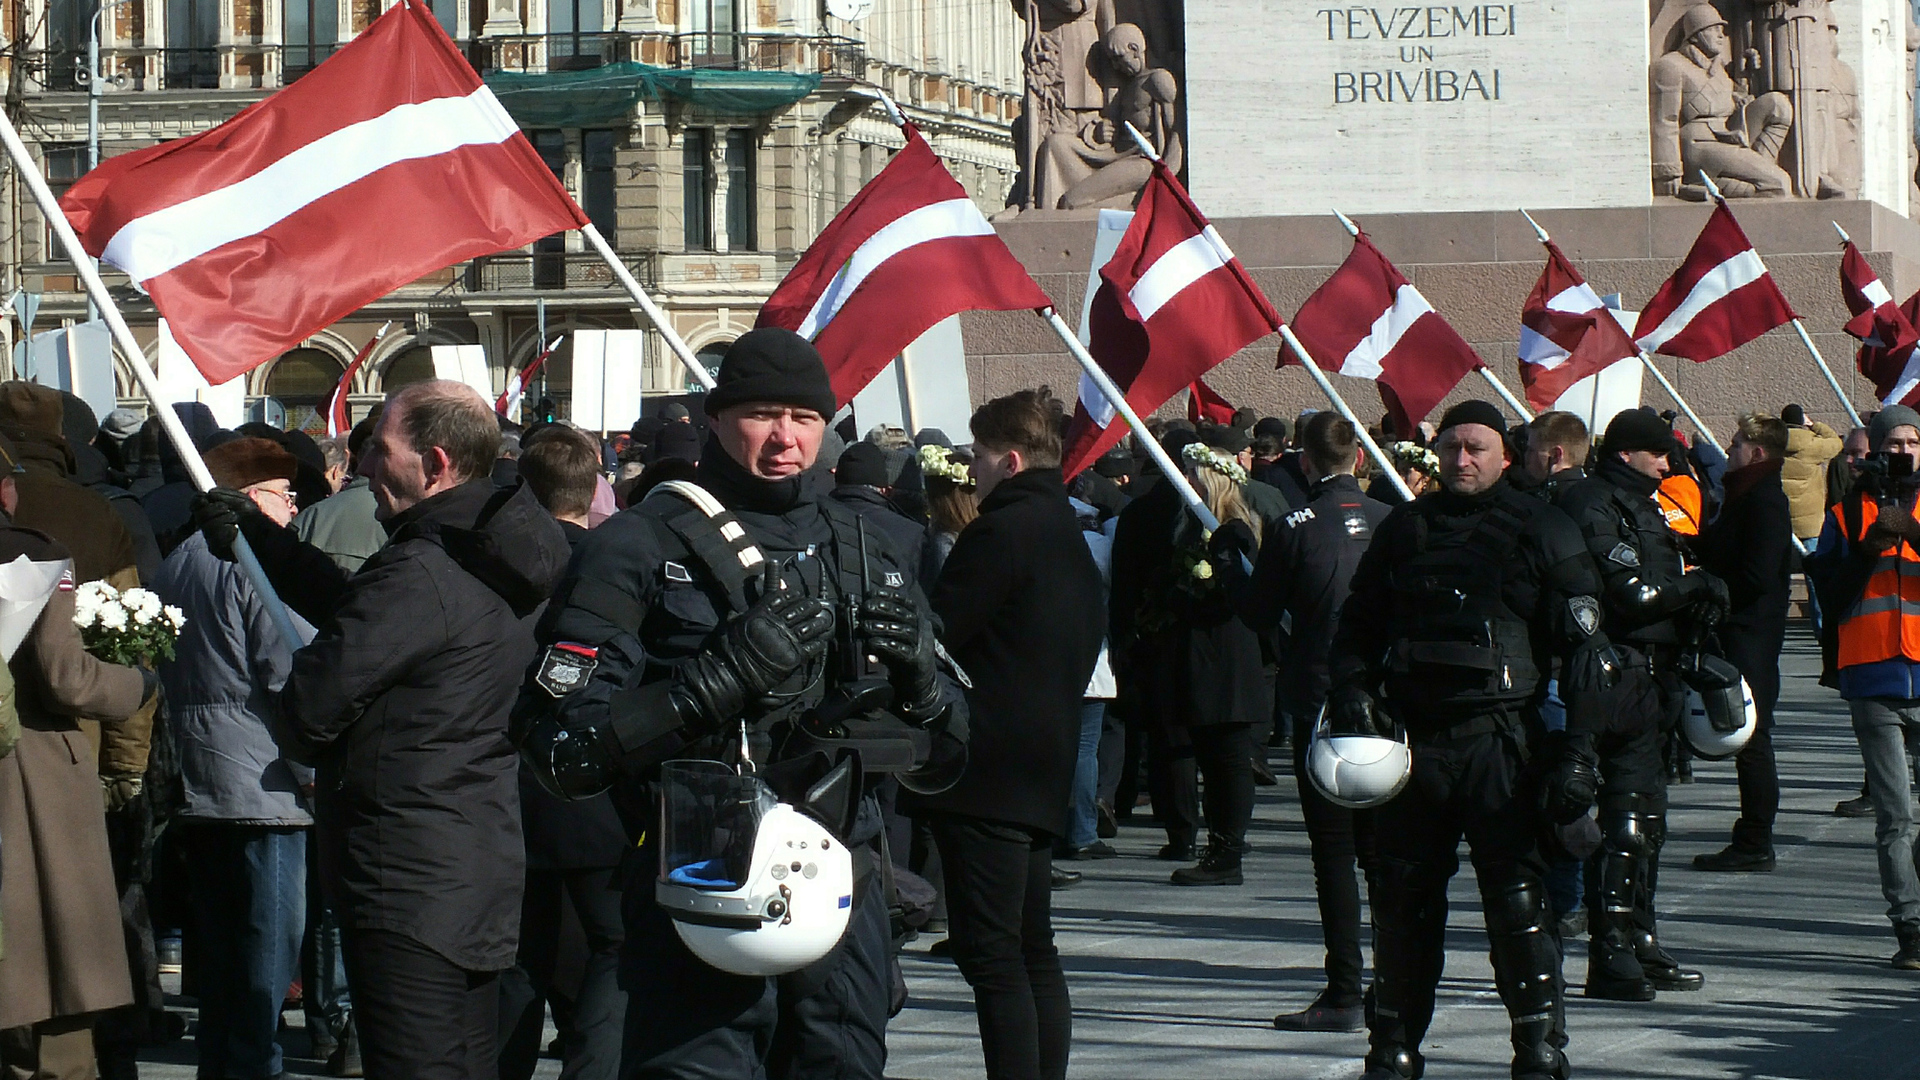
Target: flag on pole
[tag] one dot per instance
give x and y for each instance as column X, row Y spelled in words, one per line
column 1721, row 297
column 1204, row 404
column 1895, row 372
column 517, row 382
column 1172, row 303
column 1369, row 322
column 338, row 422
column 387, row 162
column 1566, row 333
column 1877, row 321
column 910, row 250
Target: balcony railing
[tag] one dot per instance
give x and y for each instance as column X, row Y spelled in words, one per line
column 541, row 271
column 227, row 67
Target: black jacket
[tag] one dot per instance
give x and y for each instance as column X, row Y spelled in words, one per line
column 1632, row 547
column 905, row 534
column 1304, row 571
column 401, row 703
column 1750, row 547
column 1024, row 614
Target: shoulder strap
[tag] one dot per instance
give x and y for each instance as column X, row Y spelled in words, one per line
column 850, row 542
column 713, row 535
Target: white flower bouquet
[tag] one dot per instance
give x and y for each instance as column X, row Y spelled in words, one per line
column 131, row 627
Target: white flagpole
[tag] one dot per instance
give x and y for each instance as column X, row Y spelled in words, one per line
column 136, row 360
column 1805, row 339
column 654, row 315
column 1486, row 372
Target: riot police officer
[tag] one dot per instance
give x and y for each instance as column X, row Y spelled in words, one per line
column 749, row 620
column 1466, row 596
column 1654, row 608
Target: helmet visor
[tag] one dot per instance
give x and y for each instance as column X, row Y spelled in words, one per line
column 709, row 816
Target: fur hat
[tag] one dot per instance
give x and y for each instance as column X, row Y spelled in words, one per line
column 242, row 463
column 32, row 406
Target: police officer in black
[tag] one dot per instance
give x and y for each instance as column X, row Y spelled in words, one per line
column 1466, row 596
column 682, row 623
column 1654, row 608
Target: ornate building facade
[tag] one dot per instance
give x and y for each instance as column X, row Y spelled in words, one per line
column 710, row 141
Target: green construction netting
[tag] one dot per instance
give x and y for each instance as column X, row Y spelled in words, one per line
column 608, row 93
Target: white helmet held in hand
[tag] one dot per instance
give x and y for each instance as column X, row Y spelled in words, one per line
column 1357, row 771
column 1719, row 722
column 754, row 886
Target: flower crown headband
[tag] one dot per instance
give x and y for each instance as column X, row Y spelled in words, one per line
column 936, row 460
column 1207, row 457
column 1409, row 455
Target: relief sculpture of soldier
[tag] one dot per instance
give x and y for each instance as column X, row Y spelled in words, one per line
column 1703, row 123
column 1099, row 165
column 1787, row 47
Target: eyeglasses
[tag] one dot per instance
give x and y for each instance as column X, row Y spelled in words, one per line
column 287, row 495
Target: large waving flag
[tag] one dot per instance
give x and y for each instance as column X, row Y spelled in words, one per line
column 387, row 162
column 1566, row 333
column 1369, row 322
column 1172, row 303
column 1721, row 297
column 909, row 250
column 1877, row 321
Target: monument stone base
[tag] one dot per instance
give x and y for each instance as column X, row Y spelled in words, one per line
column 1476, row 269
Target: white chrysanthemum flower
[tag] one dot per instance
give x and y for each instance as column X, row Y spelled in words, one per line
column 113, row 616
column 175, row 616
column 141, row 616
column 1203, row 570
column 142, row 602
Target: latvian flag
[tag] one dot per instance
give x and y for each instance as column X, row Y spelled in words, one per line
column 1566, row 333
column 1172, row 303
column 1721, row 297
column 387, row 162
column 1887, row 332
column 337, row 419
column 909, row 250
column 1368, row 322
column 509, row 400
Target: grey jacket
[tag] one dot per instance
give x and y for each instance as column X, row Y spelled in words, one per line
column 221, row 686
column 343, row 526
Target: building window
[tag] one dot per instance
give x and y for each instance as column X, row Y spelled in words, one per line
column 193, row 32
column 412, row 366
column 696, row 151
column 448, row 13
column 573, row 28
column 715, row 26
column 740, row 191
column 596, row 181
column 313, row 29
column 550, row 252
column 66, row 162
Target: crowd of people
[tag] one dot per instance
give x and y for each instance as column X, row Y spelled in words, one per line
column 442, row 793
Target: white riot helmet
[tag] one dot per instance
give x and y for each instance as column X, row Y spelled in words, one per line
column 754, row 886
column 1720, row 720
column 1357, row 771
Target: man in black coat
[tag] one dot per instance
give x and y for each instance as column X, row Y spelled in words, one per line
column 860, row 484
column 1021, row 600
column 1749, row 546
column 401, row 702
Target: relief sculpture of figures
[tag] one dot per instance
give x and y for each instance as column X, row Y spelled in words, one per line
column 1787, row 47
column 1063, row 89
column 1703, row 122
column 1099, row 165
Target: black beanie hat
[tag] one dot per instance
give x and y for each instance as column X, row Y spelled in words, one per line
column 1638, row 429
column 862, row 463
column 771, row 364
column 1475, row 411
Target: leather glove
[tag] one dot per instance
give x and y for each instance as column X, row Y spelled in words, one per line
column 900, row 633
column 218, row 514
column 1352, row 711
column 1231, row 542
column 1568, row 789
column 1708, row 596
column 781, row 633
column 119, row 792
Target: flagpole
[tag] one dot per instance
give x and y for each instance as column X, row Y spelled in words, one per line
column 654, row 315
column 96, row 290
column 1658, row 375
column 1486, row 372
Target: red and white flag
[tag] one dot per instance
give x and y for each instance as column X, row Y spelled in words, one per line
column 337, row 420
column 909, row 250
column 1895, row 372
column 1369, row 322
column 387, row 162
column 1721, row 297
column 517, row 382
column 1172, row 303
column 1877, row 321
column 1566, row 333
column 1204, row 404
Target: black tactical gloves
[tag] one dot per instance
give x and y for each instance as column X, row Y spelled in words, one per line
column 1352, row 711
column 1707, row 594
column 1572, row 780
column 783, row 631
column 900, row 633
column 218, row 514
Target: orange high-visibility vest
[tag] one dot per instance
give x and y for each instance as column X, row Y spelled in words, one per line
column 1681, row 502
column 1885, row 622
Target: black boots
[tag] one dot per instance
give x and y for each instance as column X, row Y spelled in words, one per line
column 1663, row 971
column 1219, row 865
column 1733, row 858
column 1321, row 1016
column 1908, row 958
column 1613, row 970
column 1398, row 1065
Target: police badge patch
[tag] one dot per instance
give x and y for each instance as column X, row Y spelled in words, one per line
column 566, row 667
column 895, row 579
column 1586, row 613
column 1624, row 555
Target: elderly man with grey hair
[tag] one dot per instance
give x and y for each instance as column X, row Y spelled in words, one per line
column 401, row 704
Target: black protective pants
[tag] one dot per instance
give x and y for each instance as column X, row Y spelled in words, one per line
column 1470, row 786
column 1622, row 877
column 1338, row 839
column 589, row 1008
column 420, row 1015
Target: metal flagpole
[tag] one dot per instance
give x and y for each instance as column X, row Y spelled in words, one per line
column 136, row 360
column 1819, row 361
column 652, row 310
column 1486, row 372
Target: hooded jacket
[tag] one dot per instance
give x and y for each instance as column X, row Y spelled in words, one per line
column 401, row 704
column 1804, row 475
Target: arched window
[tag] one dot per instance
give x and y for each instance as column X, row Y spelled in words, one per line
column 304, row 377
column 414, row 364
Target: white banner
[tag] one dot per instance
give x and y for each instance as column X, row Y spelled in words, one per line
column 25, row 587
column 1107, row 233
column 607, row 368
column 466, row 364
column 181, row 381
column 924, row 387
column 1600, row 397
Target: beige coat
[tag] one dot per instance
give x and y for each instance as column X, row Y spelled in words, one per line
column 1804, row 475
column 64, row 949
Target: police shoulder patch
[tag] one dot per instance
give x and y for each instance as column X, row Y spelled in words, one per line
column 1624, row 555
column 566, row 667
column 1586, row 613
